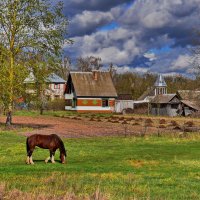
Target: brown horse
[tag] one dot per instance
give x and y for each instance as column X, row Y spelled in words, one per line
column 51, row 142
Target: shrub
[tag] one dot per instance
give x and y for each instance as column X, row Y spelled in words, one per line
column 55, row 105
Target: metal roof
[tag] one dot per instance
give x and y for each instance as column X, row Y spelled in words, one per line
column 160, row 82
column 52, row 78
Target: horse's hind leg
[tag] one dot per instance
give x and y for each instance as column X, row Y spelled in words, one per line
column 47, row 160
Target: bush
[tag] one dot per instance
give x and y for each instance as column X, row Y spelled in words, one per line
column 57, row 104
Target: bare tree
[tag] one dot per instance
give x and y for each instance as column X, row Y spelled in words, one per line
column 89, row 63
column 65, row 67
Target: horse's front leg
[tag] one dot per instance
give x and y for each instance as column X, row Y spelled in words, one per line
column 29, row 159
column 52, row 154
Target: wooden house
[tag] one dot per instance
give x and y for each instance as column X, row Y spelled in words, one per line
column 90, row 92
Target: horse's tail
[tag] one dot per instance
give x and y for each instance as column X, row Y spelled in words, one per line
column 27, row 146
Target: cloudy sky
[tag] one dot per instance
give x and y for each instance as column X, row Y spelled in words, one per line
column 135, row 35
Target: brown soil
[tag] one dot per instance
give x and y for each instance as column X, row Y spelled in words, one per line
column 77, row 127
column 65, row 127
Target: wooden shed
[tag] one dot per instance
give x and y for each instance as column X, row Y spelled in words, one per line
column 165, row 104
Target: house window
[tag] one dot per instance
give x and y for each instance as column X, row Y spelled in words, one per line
column 56, row 86
column 105, row 103
column 174, row 106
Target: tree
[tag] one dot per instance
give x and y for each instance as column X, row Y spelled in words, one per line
column 65, row 67
column 89, row 63
column 27, row 27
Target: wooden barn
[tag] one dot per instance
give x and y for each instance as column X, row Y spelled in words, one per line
column 190, row 101
column 165, row 104
column 90, row 92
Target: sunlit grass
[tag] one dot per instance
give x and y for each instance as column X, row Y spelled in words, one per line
column 121, row 168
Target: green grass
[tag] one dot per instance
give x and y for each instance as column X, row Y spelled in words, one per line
column 35, row 113
column 121, row 168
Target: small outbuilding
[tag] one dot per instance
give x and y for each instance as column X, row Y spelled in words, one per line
column 165, row 104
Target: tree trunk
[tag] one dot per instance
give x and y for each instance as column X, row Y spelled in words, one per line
column 41, row 110
column 9, row 118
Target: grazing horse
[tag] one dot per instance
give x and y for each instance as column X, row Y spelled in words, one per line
column 51, row 142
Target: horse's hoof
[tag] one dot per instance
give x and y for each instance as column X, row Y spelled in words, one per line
column 53, row 162
column 32, row 163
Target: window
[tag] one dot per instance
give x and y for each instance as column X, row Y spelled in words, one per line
column 174, row 106
column 56, row 86
column 105, row 103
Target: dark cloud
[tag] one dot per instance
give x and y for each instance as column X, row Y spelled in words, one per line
column 73, row 7
column 142, row 26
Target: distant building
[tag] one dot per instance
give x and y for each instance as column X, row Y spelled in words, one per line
column 160, row 86
column 165, row 104
column 55, row 86
column 90, row 92
column 124, row 103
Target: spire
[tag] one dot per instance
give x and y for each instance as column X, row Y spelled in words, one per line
column 160, row 85
column 160, row 82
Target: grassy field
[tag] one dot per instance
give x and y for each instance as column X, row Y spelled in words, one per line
column 106, row 168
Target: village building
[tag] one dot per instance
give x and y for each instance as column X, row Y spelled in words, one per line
column 183, row 103
column 124, row 103
column 55, row 86
column 90, row 92
column 165, row 104
column 190, row 101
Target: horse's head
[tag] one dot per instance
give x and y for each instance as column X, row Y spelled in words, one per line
column 62, row 157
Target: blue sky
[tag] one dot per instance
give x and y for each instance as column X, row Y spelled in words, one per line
column 135, row 35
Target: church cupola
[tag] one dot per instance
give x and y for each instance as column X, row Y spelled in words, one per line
column 160, row 86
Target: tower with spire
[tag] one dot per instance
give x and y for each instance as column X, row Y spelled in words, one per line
column 160, row 86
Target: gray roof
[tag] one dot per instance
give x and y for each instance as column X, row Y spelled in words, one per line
column 148, row 93
column 191, row 104
column 189, row 95
column 160, row 82
column 53, row 78
column 85, row 85
column 163, row 98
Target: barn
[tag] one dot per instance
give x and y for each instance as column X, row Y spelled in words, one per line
column 90, row 92
column 165, row 104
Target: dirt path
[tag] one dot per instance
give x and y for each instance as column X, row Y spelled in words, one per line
column 66, row 127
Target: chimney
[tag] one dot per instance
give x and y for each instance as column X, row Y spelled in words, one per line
column 95, row 75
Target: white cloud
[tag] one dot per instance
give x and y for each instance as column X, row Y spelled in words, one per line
column 182, row 62
column 150, row 56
